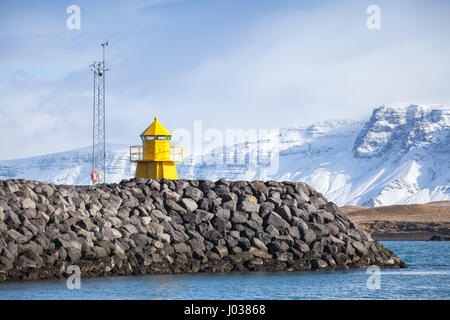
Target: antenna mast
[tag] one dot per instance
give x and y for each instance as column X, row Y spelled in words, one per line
column 98, row 174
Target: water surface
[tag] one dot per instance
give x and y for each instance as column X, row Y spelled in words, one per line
column 428, row 277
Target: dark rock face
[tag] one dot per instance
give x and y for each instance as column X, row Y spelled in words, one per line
column 144, row 226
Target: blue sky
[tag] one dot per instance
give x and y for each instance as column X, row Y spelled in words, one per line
column 231, row 64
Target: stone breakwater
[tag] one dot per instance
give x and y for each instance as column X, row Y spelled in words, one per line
column 144, row 226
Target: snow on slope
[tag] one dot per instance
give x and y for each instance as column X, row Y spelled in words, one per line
column 71, row 167
column 401, row 155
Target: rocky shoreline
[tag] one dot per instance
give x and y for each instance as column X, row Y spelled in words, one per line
column 144, row 226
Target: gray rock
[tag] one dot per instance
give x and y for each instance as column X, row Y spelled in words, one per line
column 260, row 253
column 181, row 248
column 276, row 220
column 238, row 217
column 193, row 193
column 284, row 212
column 318, row 264
column 222, row 213
column 293, row 231
column 221, row 250
column 219, row 224
column 17, row 236
column 170, row 204
column 248, row 206
column 272, row 231
column 27, row 203
column 319, row 229
column 259, row 244
column 361, row 249
column 189, row 204
column 204, row 215
column 308, row 236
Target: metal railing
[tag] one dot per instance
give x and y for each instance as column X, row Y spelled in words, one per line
column 137, row 154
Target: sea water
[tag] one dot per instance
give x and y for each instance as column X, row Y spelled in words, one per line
column 428, row 277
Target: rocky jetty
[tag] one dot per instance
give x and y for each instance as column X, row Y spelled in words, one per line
column 144, row 226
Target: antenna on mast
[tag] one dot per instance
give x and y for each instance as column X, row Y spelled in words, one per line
column 98, row 173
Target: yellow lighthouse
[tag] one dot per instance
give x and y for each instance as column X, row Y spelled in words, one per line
column 156, row 157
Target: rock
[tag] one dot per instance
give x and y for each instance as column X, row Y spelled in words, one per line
column 284, row 212
column 67, row 244
column 342, row 260
column 259, row 244
column 318, row 264
column 308, row 236
column 301, row 246
column 181, row 248
column 219, row 224
column 222, row 213
column 270, row 229
column 329, row 260
column 27, row 203
column 317, row 202
column 111, row 233
column 361, row 249
column 435, row 237
column 248, row 206
column 319, row 229
column 173, row 196
column 238, row 217
column 327, row 216
column 277, row 221
column 141, row 239
column 164, row 237
column 221, row 250
column 13, row 220
column 170, row 204
column 145, row 220
column 130, row 228
column 163, row 217
column 189, row 204
column 204, row 215
column 293, row 231
column 260, row 253
column 17, row 236
column 230, row 205
column 193, row 193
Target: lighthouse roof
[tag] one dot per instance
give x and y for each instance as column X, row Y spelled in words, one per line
column 156, row 129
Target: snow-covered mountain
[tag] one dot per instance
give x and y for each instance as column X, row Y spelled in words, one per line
column 401, row 155
column 71, row 167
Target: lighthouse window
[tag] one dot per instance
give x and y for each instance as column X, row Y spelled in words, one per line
column 169, row 137
column 150, row 137
column 160, row 137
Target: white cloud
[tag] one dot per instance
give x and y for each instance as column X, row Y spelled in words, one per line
column 288, row 66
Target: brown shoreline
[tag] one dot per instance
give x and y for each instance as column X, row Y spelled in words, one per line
column 403, row 236
column 419, row 222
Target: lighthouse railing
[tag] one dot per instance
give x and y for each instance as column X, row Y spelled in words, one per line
column 137, row 154
column 176, row 153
